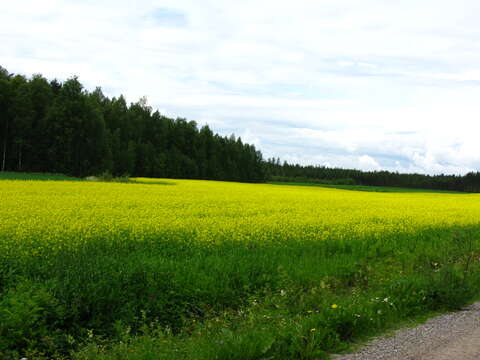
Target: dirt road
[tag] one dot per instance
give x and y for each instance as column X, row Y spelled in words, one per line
column 454, row 336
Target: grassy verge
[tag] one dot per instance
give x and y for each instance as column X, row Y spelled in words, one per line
column 105, row 177
column 7, row 175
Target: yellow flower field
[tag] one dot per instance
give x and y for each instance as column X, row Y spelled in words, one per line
column 94, row 257
column 51, row 212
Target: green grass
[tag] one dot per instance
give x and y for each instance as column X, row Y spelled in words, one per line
column 292, row 315
column 367, row 188
column 7, row 175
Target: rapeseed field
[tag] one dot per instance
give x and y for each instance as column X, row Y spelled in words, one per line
column 183, row 269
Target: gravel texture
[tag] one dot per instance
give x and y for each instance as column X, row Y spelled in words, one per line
column 454, row 336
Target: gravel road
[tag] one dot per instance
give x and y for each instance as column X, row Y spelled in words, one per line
column 454, row 336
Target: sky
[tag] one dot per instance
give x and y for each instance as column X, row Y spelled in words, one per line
column 371, row 84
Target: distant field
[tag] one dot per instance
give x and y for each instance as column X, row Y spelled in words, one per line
column 218, row 270
column 367, row 188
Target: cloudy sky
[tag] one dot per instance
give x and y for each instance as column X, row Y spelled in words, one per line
column 372, row 84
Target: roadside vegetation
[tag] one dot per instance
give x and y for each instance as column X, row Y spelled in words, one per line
column 217, row 270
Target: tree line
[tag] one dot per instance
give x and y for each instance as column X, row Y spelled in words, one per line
column 321, row 174
column 50, row 126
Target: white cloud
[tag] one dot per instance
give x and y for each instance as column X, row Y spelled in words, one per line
column 368, row 163
column 378, row 84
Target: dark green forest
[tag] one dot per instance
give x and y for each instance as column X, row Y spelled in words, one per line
column 55, row 127
column 48, row 126
column 323, row 175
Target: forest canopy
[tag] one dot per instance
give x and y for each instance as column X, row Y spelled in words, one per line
column 49, row 126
